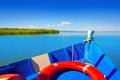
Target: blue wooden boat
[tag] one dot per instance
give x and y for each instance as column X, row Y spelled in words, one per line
column 82, row 61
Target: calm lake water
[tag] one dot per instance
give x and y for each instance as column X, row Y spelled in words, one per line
column 15, row 48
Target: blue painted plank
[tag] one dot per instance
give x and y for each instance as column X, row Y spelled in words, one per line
column 94, row 51
column 23, row 67
column 70, row 54
column 106, row 66
column 116, row 75
column 78, row 51
column 58, row 56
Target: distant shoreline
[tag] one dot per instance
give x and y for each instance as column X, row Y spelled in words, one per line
column 26, row 31
column 94, row 31
column 110, row 33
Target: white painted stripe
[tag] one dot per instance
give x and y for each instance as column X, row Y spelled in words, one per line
column 4, row 79
column 104, row 76
column 55, row 64
column 86, row 67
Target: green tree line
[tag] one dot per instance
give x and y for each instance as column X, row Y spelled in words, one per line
column 22, row 31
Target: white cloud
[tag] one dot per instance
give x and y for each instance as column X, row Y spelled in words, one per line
column 64, row 23
column 49, row 25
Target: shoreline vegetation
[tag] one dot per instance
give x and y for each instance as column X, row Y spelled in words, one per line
column 26, row 31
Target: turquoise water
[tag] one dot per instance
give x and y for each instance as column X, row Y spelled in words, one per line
column 15, row 48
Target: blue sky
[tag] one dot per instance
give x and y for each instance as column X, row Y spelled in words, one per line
column 61, row 14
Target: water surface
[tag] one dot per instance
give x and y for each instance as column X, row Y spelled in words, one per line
column 15, row 48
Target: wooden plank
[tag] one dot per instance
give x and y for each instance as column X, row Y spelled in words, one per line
column 39, row 62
